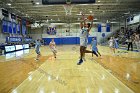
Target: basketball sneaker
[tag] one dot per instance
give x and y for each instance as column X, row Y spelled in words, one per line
column 80, row 62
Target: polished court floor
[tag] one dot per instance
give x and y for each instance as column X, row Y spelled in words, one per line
column 111, row 73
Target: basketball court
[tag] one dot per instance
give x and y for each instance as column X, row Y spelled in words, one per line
column 24, row 22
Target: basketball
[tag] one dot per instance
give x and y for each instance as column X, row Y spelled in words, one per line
column 90, row 17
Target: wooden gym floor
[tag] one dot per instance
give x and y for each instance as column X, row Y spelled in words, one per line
column 111, row 73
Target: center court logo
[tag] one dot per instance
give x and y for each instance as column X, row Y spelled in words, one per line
column 52, row 77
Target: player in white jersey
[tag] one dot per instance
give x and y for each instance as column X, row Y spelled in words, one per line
column 111, row 44
column 85, row 28
column 52, row 46
column 137, row 41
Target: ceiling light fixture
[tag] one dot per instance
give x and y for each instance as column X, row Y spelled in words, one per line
column 8, row 4
column 95, row 19
column 78, row 18
column 99, row 1
column 90, row 11
column 37, row 3
column 127, row 13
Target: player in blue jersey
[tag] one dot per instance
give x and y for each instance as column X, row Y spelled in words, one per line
column 37, row 48
column 116, row 45
column 85, row 29
column 94, row 47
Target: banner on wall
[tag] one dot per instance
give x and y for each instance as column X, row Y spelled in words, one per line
column 99, row 28
column 13, row 39
column 18, row 29
column 27, row 39
column 14, row 27
column 23, row 21
column 18, row 25
column 107, row 27
column 4, row 26
column 50, row 30
column 10, row 27
column 23, row 29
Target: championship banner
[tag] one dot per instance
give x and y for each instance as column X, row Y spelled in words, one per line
column 107, row 27
column 5, row 26
column 10, row 30
column 23, row 27
column 99, row 28
column 14, row 26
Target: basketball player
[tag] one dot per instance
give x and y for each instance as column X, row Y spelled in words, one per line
column 94, row 47
column 111, row 44
column 37, row 49
column 137, row 41
column 52, row 46
column 85, row 28
column 116, row 46
column 130, row 43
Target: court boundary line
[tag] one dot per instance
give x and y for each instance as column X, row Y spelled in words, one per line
column 28, row 76
column 116, row 78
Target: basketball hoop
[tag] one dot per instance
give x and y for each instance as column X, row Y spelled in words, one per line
column 68, row 7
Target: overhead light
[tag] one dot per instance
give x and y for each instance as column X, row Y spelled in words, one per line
column 8, row 4
column 99, row 1
column 90, row 11
column 37, row 3
column 107, row 21
column 78, row 18
column 114, row 22
column 127, row 13
column 95, row 19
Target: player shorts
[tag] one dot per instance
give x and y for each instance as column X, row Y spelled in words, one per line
column 83, row 42
column 111, row 45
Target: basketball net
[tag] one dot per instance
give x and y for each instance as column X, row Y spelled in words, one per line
column 68, row 7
